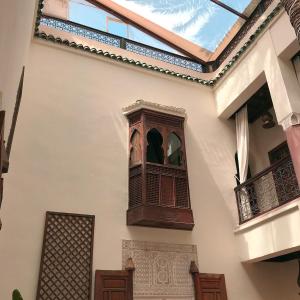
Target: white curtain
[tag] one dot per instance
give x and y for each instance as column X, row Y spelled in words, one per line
column 242, row 137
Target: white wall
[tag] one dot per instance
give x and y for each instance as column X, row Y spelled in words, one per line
column 273, row 234
column 71, row 155
column 269, row 58
column 16, row 25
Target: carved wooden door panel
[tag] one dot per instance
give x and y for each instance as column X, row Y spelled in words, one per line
column 212, row 287
column 113, row 285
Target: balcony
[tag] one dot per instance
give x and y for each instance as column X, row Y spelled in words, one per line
column 271, row 188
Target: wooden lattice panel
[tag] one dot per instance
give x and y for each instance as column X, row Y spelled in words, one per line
column 135, row 191
column 167, row 197
column 66, row 263
column 153, row 189
column 182, row 197
column 158, row 178
column 163, row 170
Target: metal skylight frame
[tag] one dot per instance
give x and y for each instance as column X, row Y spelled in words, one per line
column 185, row 46
column 181, row 44
column 230, row 9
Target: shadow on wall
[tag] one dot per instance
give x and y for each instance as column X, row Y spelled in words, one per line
column 274, row 281
column 271, row 236
column 217, row 151
column 207, row 205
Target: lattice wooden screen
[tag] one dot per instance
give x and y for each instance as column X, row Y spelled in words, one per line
column 158, row 177
column 66, row 263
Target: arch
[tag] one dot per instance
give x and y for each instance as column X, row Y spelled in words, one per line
column 155, row 152
column 135, row 150
column 174, row 150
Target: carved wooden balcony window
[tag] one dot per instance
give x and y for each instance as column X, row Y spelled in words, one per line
column 158, row 178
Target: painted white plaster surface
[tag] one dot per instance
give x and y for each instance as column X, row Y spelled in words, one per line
column 16, row 24
column 70, row 155
column 278, row 232
column 262, row 61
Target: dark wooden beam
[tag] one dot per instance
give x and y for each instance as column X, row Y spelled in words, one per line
column 15, row 115
column 223, row 5
column 298, row 279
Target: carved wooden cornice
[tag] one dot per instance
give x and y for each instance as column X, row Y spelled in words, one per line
column 142, row 104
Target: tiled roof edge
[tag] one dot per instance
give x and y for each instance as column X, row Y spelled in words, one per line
column 248, row 43
column 212, row 82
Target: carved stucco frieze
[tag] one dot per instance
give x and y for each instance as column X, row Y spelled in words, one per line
column 161, row 269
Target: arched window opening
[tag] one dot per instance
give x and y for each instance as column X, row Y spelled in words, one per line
column 136, row 150
column 174, row 150
column 158, row 186
column 155, row 152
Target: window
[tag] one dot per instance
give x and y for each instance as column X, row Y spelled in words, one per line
column 279, row 152
column 155, row 152
column 158, row 179
column 85, row 13
column 174, row 150
column 135, row 150
column 116, row 26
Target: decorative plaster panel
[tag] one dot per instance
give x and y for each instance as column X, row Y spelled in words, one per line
column 161, row 269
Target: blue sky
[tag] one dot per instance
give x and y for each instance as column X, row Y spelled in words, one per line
column 209, row 27
column 84, row 13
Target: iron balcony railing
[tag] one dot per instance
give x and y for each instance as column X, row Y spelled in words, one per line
column 269, row 189
column 119, row 42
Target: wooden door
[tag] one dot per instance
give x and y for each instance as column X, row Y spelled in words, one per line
column 113, row 285
column 212, row 287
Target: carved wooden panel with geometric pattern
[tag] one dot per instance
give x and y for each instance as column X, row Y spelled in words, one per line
column 212, row 287
column 67, row 256
column 158, row 177
column 113, row 285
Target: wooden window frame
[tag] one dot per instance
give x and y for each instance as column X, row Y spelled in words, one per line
column 158, row 193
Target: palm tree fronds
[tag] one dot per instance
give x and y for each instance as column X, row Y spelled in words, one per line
column 173, row 6
column 183, row 26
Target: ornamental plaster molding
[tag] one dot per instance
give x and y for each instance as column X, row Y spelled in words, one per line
column 161, row 269
column 291, row 119
column 142, row 104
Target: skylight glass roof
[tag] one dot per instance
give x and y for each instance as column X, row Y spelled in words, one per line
column 239, row 5
column 83, row 12
column 202, row 22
